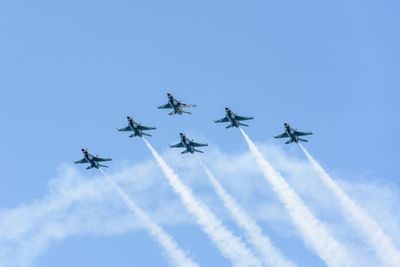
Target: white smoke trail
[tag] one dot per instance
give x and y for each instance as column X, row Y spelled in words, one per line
column 272, row 256
column 176, row 256
column 229, row 245
column 360, row 219
column 312, row 230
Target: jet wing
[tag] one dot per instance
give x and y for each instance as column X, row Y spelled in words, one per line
column 194, row 144
column 84, row 160
column 222, row 120
column 97, row 159
column 145, row 128
column 126, row 129
column 178, row 145
column 240, row 118
column 187, row 105
column 297, row 133
column 284, row 135
column 166, row 106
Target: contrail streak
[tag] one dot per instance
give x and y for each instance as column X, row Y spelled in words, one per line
column 271, row 255
column 360, row 218
column 176, row 256
column 229, row 245
column 312, row 230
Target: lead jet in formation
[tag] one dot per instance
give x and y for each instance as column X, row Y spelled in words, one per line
column 176, row 105
column 190, row 145
column 136, row 128
column 293, row 134
column 92, row 160
column 233, row 119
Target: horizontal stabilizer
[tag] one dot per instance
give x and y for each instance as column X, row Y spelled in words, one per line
column 184, row 152
column 303, row 140
column 186, row 112
column 242, row 124
column 146, row 134
column 196, row 150
column 90, row 167
column 132, row 135
column 289, row 141
column 104, row 166
column 229, row 126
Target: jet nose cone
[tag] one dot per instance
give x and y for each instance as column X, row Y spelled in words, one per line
column 181, row 134
column 128, row 117
column 226, row 108
column 83, row 150
column 285, row 124
column 168, row 94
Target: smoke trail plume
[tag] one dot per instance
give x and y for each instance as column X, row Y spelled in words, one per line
column 270, row 254
column 360, row 219
column 176, row 256
column 312, row 230
column 229, row 245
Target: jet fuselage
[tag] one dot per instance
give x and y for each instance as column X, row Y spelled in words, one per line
column 89, row 158
column 290, row 131
column 134, row 127
column 186, row 142
column 231, row 116
column 175, row 104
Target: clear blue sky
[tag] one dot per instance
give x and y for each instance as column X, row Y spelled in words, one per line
column 70, row 72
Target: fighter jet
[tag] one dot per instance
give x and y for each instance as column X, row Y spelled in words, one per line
column 233, row 119
column 293, row 134
column 190, row 145
column 92, row 160
column 136, row 128
column 176, row 105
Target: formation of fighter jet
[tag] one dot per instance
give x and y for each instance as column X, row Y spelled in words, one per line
column 189, row 145
column 177, row 106
column 233, row 119
column 92, row 160
column 293, row 134
column 136, row 128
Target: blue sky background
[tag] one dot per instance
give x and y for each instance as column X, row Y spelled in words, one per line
column 71, row 71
